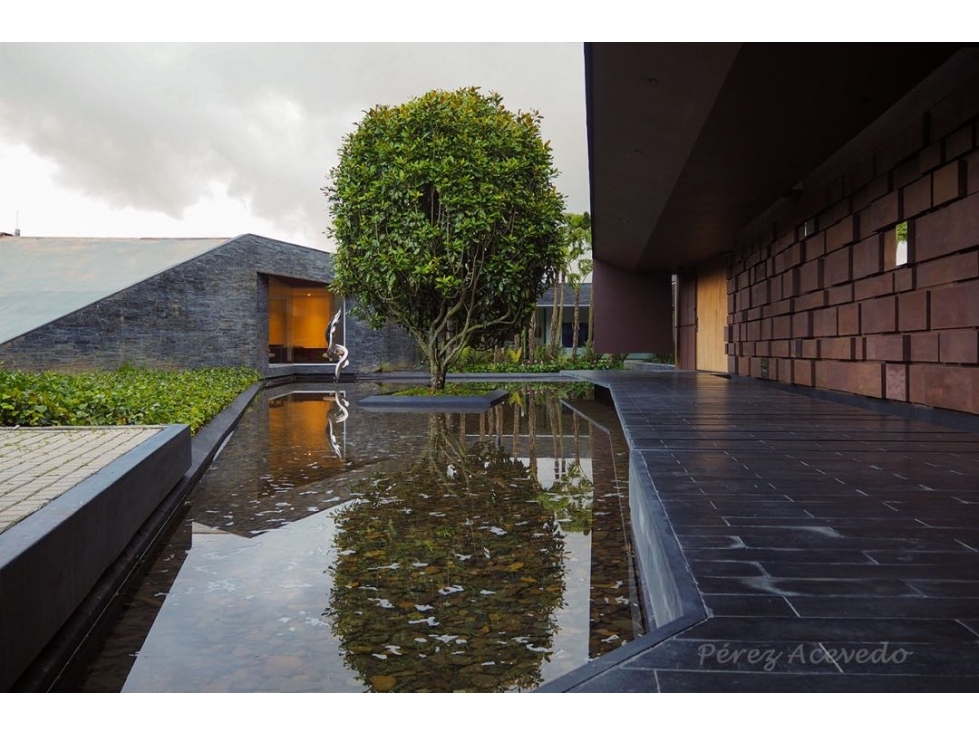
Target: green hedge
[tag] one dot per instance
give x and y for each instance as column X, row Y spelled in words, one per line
column 593, row 362
column 128, row 396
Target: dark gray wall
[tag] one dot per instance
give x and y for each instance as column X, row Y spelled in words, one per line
column 210, row 311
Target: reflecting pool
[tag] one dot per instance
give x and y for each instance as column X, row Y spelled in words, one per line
column 332, row 549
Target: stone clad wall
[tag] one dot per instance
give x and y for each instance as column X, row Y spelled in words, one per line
column 815, row 295
column 210, row 311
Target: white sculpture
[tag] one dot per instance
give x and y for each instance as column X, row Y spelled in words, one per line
column 338, row 349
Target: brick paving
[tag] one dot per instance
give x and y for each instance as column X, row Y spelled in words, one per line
column 38, row 465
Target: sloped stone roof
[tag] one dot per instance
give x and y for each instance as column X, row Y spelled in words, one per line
column 45, row 278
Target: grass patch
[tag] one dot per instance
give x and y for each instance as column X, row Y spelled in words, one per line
column 482, row 362
column 562, row 390
column 128, row 396
column 454, row 389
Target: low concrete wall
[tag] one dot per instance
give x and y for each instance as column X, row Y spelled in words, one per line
column 51, row 560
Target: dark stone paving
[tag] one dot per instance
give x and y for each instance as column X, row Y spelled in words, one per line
column 833, row 548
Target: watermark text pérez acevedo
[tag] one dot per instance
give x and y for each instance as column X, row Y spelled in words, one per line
column 772, row 657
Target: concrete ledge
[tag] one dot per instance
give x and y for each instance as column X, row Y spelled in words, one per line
column 325, row 371
column 433, row 403
column 50, row 561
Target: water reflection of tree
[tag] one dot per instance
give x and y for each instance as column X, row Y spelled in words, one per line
column 448, row 572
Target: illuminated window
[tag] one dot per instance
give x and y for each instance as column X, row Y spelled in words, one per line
column 299, row 313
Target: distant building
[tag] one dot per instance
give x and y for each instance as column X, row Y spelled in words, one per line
column 545, row 309
column 96, row 303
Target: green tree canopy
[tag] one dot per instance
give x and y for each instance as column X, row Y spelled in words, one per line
column 447, row 220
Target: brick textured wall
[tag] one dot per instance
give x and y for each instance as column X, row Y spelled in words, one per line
column 210, row 311
column 816, row 296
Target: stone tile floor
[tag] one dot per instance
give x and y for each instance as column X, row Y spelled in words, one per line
column 38, row 465
column 834, row 548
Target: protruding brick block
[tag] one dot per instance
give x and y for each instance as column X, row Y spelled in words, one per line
column 946, row 230
column 867, row 257
column 824, row 322
column 924, row 347
column 789, row 258
column 837, row 267
column 811, row 276
column 842, row 233
column 883, row 213
column 944, row 386
column 948, row 269
column 912, row 311
column 888, row 347
column 759, row 294
column 955, row 306
column 905, row 172
column 777, row 309
column 904, row 279
column 839, row 294
column 958, row 142
column 790, row 283
column 949, row 183
column 782, row 327
column 816, row 299
column 803, row 372
column 916, row 197
column 930, row 157
column 862, row 378
column 972, row 164
column 896, row 382
column 960, row 346
column 780, row 348
column 836, row 348
column 848, row 319
column 879, row 315
column 802, row 324
column 814, row 247
column 878, row 285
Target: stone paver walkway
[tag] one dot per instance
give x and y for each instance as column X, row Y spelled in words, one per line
column 38, row 465
column 833, row 548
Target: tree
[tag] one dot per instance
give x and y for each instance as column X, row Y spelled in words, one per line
column 577, row 231
column 447, row 221
column 574, row 267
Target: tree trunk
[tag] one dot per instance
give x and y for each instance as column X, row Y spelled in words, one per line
column 552, row 334
column 532, row 337
column 590, row 342
column 577, row 323
column 560, row 318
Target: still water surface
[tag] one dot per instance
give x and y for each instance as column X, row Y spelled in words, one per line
column 333, row 549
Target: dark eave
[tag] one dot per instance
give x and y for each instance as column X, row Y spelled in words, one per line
column 688, row 143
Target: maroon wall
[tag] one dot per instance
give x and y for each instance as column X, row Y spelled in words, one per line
column 633, row 313
column 815, row 295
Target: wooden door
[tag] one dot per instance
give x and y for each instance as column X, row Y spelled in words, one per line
column 711, row 317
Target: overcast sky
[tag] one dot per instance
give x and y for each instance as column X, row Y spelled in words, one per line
column 199, row 140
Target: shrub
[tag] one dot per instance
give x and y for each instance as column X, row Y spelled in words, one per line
column 128, row 396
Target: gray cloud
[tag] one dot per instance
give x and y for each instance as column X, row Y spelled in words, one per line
column 153, row 126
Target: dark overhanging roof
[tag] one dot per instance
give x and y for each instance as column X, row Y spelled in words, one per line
column 688, row 143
